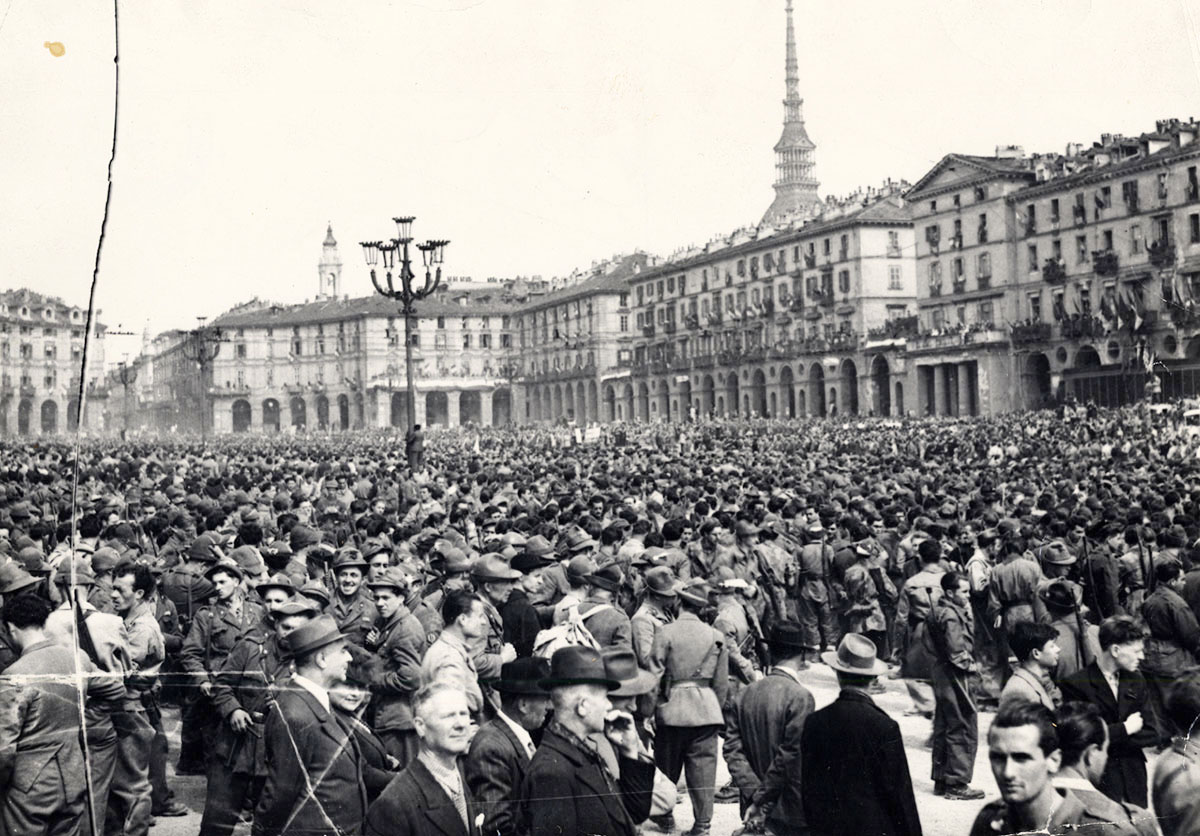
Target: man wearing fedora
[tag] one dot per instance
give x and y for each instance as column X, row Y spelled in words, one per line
column 494, row 579
column 694, row 661
column 518, row 613
column 503, row 747
column 568, row 790
column 1064, row 608
column 314, row 781
column 431, row 795
column 762, row 739
column 352, row 607
column 241, row 695
column 400, row 646
column 855, row 776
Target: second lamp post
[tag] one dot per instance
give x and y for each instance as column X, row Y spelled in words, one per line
column 395, row 257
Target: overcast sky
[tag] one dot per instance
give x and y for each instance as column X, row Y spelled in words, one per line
column 537, row 135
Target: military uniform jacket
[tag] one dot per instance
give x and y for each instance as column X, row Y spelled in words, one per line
column 246, row 680
column 1012, row 591
column 401, row 649
column 214, row 632
column 694, row 661
column 1174, row 634
column 356, row 617
column 1071, row 816
column 41, row 759
column 732, row 622
column 314, row 783
column 610, row 627
column 487, row 660
column 952, row 629
column 644, row 626
column 189, row 591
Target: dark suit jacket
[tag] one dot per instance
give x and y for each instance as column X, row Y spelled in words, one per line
column 495, row 767
column 1124, row 777
column 377, row 772
column 856, row 778
column 307, row 746
column 567, row 791
column 415, row 804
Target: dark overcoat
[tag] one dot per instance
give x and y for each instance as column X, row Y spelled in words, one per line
column 1124, row 777
column 314, row 771
column 568, row 792
column 855, row 773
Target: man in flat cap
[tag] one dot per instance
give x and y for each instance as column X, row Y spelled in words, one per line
column 314, row 781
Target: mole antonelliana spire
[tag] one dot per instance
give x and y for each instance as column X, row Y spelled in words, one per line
column 795, row 186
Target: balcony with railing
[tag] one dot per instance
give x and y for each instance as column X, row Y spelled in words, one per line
column 647, row 330
column 1026, row 333
column 900, row 328
column 957, row 336
column 810, row 260
column 680, row 364
column 1105, row 262
column 703, row 361
column 1053, row 271
column 985, row 282
column 1161, row 252
column 1082, row 326
column 1079, row 214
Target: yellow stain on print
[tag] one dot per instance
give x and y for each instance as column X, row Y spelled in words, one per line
column 56, row 48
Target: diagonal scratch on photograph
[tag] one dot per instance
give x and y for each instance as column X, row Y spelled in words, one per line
column 549, row 418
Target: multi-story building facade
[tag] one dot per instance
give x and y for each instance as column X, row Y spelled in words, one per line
column 41, row 357
column 575, row 342
column 1048, row 276
column 775, row 322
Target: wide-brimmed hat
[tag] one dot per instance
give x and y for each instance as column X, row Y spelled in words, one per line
column 578, row 569
column 857, row 655
column 491, row 568
column 579, row 540
column 526, row 562
column 13, row 578
column 695, row 592
column 575, row 665
column 278, row 581
column 788, row 634
column 349, row 558
column 523, row 676
column 538, row 546
column 608, row 577
column 322, row 631
column 316, row 590
column 1061, row 594
column 393, row 578
column 83, row 572
column 621, row 665
column 204, row 549
column 662, row 581
column 224, row 565
column 1056, row 553
column 249, row 559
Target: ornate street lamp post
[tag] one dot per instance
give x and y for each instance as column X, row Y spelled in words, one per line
column 432, row 253
column 127, row 375
column 201, row 346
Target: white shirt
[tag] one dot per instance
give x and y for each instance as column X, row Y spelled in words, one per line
column 313, row 688
column 519, row 731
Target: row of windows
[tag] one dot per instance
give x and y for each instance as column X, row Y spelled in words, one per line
column 770, row 263
column 1134, row 241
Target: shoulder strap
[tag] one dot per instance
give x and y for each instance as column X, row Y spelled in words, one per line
column 598, row 608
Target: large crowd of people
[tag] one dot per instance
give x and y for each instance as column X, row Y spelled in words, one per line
column 534, row 631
